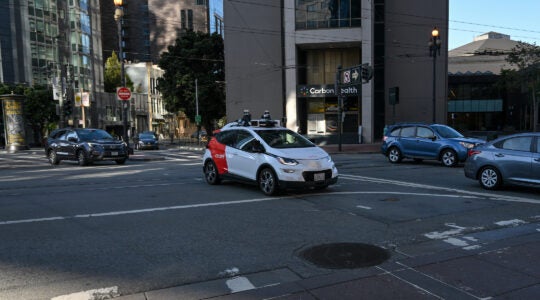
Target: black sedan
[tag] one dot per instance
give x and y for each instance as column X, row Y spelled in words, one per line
column 513, row 159
column 146, row 141
column 85, row 145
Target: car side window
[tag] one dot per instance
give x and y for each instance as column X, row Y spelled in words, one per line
column 424, row 132
column 71, row 134
column 522, row 143
column 227, row 137
column 242, row 138
column 395, row 132
column 408, row 131
column 63, row 136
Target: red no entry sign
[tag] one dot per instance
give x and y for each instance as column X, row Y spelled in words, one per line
column 123, row 93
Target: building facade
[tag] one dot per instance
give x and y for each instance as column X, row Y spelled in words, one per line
column 150, row 26
column 56, row 43
column 284, row 56
column 476, row 100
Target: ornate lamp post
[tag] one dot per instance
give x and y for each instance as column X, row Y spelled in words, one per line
column 118, row 15
column 434, row 50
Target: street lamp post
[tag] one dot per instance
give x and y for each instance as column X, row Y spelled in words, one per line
column 118, row 15
column 434, row 50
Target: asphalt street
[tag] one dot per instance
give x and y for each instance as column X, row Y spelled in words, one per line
column 452, row 258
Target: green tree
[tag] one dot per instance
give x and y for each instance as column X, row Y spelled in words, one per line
column 195, row 56
column 526, row 57
column 39, row 108
column 113, row 74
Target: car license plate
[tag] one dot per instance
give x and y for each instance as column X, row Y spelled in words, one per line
column 318, row 176
column 114, row 153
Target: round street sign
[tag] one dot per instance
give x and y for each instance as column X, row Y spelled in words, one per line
column 123, row 93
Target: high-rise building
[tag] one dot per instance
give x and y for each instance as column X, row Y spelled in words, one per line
column 150, row 26
column 44, row 39
column 283, row 56
column 46, row 42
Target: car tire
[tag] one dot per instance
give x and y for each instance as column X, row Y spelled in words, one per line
column 211, row 173
column 53, row 158
column 490, row 178
column 394, row 155
column 82, row 159
column 120, row 161
column 449, row 158
column 268, row 181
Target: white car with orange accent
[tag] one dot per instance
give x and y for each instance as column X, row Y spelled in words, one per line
column 264, row 153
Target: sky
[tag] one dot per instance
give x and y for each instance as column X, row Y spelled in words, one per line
column 469, row 18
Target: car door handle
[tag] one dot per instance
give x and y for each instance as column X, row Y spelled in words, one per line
column 499, row 155
column 537, row 159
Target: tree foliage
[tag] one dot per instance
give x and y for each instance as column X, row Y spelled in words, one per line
column 39, row 108
column 113, row 74
column 526, row 57
column 195, row 56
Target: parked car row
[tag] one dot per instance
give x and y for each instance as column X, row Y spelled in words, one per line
column 512, row 159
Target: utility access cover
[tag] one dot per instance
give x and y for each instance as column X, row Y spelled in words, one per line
column 345, row 255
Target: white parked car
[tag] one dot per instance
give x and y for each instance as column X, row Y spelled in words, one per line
column 273, row 157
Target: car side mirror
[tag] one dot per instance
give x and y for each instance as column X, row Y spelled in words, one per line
column 434, row 138
column 256, row 147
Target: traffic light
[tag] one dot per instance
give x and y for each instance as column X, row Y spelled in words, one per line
column 68, row 109
column 367, row 73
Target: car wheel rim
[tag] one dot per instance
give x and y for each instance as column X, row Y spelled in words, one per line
column 267, row 182
column 210, row 172
column 449, row 158
column 489, row 178
column 82, row 159
column 394, row 155
column 52, row 157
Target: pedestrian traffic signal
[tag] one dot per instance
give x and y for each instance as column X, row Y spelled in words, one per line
column 367, row 73
column 68, row 109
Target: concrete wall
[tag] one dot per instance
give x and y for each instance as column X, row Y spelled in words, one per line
column 407, row 61
column 253, row 58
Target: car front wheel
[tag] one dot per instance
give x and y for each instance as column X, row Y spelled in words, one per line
column 81, row 158
column 449, row 158
column 53, row 158
column 211, row 173
column 394, row 155
column 490, row 178
column 268, row 181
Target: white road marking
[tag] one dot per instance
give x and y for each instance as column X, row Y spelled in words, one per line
column 492, row 196
column 188, row 206
column 96, row 294
column 239, row 284
column 513, row 223
column 364, row 207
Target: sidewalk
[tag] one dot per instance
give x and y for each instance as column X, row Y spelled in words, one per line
column 505, row 268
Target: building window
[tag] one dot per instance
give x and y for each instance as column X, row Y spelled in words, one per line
column 201, row 2
column 311, row 14
column 190, row 19
column 183, row 19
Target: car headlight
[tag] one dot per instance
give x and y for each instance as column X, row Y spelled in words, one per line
column 287, row 161
column 329, row 158
column 466, row 145
column 95, row 146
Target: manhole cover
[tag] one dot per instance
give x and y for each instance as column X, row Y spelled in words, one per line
column 345, row 255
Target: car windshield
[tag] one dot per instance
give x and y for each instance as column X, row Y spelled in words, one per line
column 146, row 136
column 92, row 135
column 280, row 138
column 447, row 132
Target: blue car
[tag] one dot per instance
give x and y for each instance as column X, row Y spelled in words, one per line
column 513, row 159
column 426, row 141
